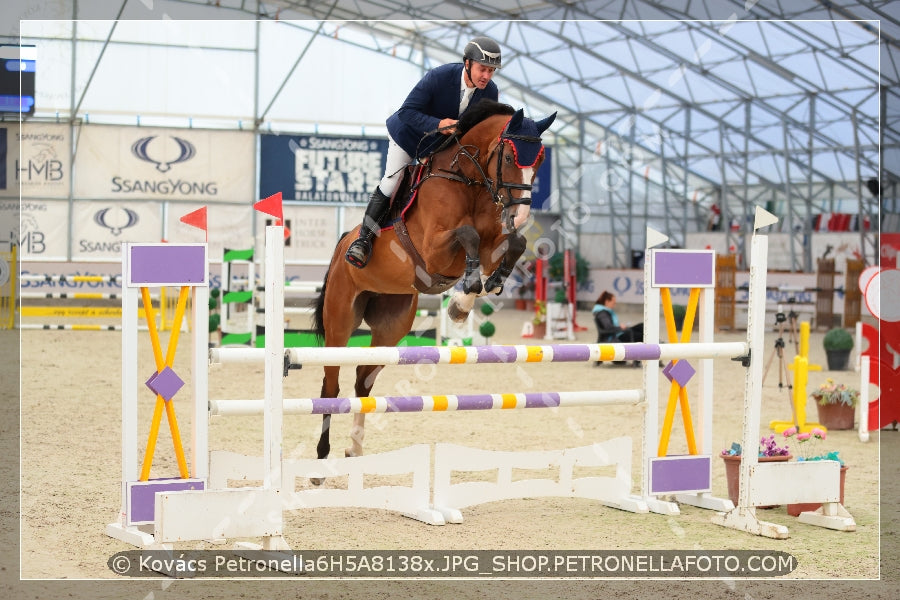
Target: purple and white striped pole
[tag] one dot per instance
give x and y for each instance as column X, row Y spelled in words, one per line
column 445, row 403
column 418, row 355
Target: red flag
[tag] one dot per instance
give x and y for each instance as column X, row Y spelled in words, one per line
column 197, row 219
column 271, row 206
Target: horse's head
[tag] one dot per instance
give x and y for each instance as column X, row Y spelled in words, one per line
column 519, row 153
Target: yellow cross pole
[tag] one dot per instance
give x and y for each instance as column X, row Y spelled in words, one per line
column 677, row 393
column 161, row 403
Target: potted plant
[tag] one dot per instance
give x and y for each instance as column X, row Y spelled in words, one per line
column 838, row 343
column 836, row 404
column 769, row 451
column 809, row 448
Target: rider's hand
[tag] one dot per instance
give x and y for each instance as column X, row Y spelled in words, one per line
column 447, row 126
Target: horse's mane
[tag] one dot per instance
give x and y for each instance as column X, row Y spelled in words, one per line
column 480, row 111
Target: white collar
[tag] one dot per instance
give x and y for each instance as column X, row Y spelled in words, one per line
column 462, row 83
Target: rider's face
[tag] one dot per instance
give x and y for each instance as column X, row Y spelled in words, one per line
column 481, row 75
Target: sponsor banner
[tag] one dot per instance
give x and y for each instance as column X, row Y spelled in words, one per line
column 782, row 289
column 313, row 233
column 38, row 227
column 317, row 168
column 37, row 157
column 150, row 163
column 229, row 227
column 100, row 228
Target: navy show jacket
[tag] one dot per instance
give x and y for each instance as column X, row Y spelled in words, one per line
column 434, row 97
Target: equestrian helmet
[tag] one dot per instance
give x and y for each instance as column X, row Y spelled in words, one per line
column 483, row 50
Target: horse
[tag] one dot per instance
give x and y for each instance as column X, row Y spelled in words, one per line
column 466, row 206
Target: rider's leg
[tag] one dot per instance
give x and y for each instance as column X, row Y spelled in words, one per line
column 360, row 250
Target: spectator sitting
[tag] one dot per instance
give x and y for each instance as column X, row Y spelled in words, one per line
column 608, row 327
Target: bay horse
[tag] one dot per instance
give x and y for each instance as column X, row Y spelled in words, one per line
column 468, row 202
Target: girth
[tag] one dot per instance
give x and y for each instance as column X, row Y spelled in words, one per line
column 425, row 282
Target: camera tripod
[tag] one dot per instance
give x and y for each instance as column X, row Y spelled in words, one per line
column 783, row 373
column 784, row 376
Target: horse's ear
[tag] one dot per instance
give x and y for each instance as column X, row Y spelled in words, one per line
column 516, row 121
column 543, row 124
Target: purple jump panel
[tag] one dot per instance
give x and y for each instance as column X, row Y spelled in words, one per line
column 166, row 264
column 142, row 496
column 673, row 474
column 683, row 268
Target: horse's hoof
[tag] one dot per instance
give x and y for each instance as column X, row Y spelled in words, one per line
column 317, row 481
column 455, row 314
column 349, row 453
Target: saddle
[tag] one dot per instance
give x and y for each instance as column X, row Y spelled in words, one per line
column 403, row 197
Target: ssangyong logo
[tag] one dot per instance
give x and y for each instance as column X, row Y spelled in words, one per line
column 116, row 222
column 186, row 151
column 150, row 149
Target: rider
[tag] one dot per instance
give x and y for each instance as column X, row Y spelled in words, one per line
column 431, row 108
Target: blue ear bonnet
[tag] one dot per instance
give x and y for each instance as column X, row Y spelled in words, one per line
column 525, row 139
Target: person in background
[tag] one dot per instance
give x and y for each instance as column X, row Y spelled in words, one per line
column 609, row 329
column 429, row 113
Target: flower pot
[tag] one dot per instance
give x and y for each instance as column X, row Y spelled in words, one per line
column 795, row 509
column 521, row 304
column 733, row 474
column 836, row 416
column 837, row 359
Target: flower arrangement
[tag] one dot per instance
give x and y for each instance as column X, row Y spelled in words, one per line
column 540, row 312
column 809, row 444
column 767, row 447
column 831, row 392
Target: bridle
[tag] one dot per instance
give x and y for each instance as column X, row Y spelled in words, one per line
column 494, row 186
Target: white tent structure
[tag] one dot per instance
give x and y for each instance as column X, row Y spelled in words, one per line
column 669, row 113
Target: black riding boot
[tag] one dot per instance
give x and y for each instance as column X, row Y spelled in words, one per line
column 360, row 250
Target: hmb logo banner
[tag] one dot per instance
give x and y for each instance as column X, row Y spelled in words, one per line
column 148, row 163
column 35, row 155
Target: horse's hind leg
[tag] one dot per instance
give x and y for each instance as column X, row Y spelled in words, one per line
column 390, row 318
column 365, row 379
column 462, row 304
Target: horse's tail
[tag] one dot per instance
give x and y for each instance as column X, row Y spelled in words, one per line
column 318, row 321
column 319, row 303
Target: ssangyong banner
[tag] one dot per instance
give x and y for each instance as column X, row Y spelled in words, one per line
column 317, row 168
column 100, row 228
column 151, row 163
column 37, row 157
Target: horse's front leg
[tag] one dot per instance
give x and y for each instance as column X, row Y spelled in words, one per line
column 512, row 248
column 461, row 304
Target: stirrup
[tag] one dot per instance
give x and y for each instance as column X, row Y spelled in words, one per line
column 358, row 253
